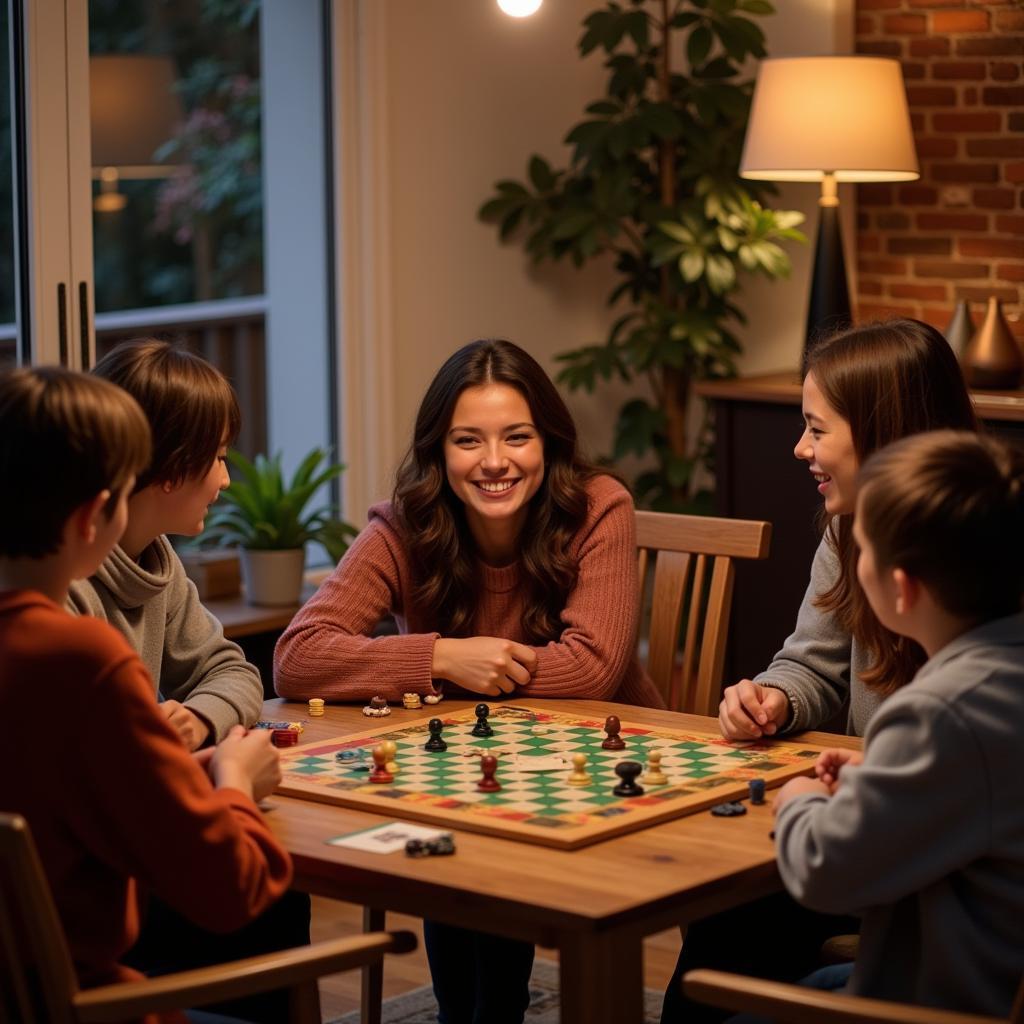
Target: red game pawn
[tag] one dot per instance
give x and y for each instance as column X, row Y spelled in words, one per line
column 612, row 740
column 488, row 765
column 380, row 772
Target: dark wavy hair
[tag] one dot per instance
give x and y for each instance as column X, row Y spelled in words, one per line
column 887, row 380
column 432, row 519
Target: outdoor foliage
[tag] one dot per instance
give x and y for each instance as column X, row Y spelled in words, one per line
column 260, row 511
column 653, row 180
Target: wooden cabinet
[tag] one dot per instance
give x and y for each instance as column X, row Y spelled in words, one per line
column 758, row 422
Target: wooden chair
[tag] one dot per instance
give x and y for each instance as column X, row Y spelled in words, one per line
column 38, row 983
column 794, row 1004
column 692, row 561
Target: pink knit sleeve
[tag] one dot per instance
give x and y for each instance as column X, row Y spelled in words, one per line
column 327, row 650
column 598, row 643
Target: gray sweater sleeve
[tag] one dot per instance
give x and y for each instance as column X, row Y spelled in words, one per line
column 813, row 667
column 200, row 666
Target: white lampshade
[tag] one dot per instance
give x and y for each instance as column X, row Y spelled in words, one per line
column 846, row 115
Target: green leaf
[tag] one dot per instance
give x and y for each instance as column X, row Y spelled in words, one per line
column 637, row 424
column 572, row 224
column 691, row 265
column 698, row 46
column 661, row 119
column 541, row 175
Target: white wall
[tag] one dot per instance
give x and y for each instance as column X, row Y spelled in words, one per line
column 470, row 95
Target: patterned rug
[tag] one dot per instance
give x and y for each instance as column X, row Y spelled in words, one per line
column 418, row 1006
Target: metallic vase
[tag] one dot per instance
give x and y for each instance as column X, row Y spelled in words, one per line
column 993, row 359
column 960, row 328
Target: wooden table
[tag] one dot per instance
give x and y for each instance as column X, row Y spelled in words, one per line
column 595, row 905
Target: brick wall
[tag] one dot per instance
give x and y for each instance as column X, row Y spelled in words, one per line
column 958, row 232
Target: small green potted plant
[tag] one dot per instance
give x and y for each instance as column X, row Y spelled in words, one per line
column 267, row 519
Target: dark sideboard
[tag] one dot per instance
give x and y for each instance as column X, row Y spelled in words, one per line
column 758, row 422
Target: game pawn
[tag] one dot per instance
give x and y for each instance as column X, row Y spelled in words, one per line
column 655, row 776
column 579, row 776
column 482, row 727
column 390, row 753
column 435, row 744
column 628, row 771
column 612, row 740
column 488, row 784
column 380, row 772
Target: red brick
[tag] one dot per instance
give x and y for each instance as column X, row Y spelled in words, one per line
column 868, row 243
column 1010, row 21
column 877, row 5
column 863, row 220
column 952, row 222
column 991, row 46
column 880, row 47
column 994, row 198
column 1015, row 122
column 1014, row 172
column 893, row 221
column 922, row 246
column 959, row 71
column 905, row 24
column 935, row 147
column 971, row 96
column 929, row 47
column 1009, row 247
column 1000, row 71
column 877, row 311
column 927, row 292
column 865, row 25
column 869, row 287
column 1011, row 224
column 931, row 95
column 893, row 268
column 917, row 195
column 1010, row 271
column 949, row 268
column 985, row 292
column 937, row 316
column 912, row 71
column 916, row 121
column 1003, row 95
column 960, row 21
column 996, row 147
column 875, row 195
column 936, row 3
column 979, row 121
column 965, row 172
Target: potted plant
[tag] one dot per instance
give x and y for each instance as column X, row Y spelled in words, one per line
column 654, row 183
column 267, row 518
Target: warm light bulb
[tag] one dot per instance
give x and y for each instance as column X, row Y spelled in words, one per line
column 519, row 8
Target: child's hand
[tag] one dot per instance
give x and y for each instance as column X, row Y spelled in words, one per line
column 830, row 763
column 749, row 711
column 484, row 664
column 246, row 761
column 190, row 727
column 797, row 787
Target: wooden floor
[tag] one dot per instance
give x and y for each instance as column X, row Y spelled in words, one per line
column 340, row 994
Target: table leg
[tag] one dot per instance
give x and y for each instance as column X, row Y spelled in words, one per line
column 373, row 976
column 602, row 978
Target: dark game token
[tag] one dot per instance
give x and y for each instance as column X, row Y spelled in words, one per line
column 730, row 810
column 482, row 727
column 435, row 744
column 757, row 791
column 628, row 771
column 443, row 845
column 612, row 740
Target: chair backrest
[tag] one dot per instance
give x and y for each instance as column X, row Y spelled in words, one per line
column 37, row 978
column 692, row 562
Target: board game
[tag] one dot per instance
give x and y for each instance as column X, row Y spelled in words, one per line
column 535, row 806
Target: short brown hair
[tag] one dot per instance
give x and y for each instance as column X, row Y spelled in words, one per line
column 191, row 407
column 64, row 438
column 948, row 508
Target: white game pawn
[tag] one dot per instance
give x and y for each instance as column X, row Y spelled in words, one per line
column 390, row 750
column 579, row 776
column 655, row 776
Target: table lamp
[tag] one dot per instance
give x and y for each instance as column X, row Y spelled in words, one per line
column 829, row 119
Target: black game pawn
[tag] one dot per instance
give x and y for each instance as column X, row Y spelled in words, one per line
column 488, row 784
column 482, row 727
column 628, row 771
column 435, row 744
column 612, row 740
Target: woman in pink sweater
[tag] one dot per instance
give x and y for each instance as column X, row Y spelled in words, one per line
column 509, row 564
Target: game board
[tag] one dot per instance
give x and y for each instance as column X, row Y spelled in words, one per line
column 537, row 807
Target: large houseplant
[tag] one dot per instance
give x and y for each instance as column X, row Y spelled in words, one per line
column 267, row 518
column 653, row 180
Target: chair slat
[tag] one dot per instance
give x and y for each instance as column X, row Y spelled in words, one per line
column 692, row 643
column 671, row 571
column 712, row 658
column 703, row 535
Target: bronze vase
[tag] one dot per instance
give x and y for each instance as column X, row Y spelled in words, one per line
column 960, row 328
column 993, row 358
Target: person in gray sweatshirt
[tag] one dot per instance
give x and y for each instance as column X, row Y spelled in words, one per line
column 863, row 389
column 205, row 683
column 941, row 561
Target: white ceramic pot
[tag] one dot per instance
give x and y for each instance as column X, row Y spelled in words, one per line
column 273, row 577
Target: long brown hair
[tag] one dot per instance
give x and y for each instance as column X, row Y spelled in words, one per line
column 887, row 380
column 432, row 518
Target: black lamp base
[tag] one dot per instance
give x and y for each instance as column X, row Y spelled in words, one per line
column 829, row 309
